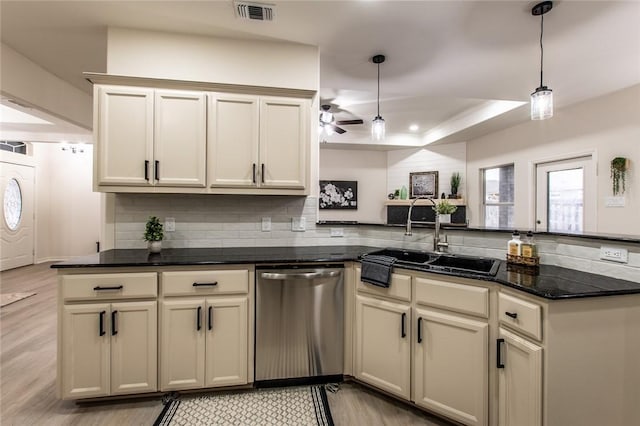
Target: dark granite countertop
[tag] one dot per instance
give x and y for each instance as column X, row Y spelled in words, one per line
column 547, row 281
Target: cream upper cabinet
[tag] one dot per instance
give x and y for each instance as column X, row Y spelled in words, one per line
column 180, row 144
column 383, row 345
column 520, row 381
column 258, row 142
column 451, row 375
column 233, row 140
column 124, row 135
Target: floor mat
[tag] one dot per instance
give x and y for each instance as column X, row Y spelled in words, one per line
column 300, row 405
column 9, row 298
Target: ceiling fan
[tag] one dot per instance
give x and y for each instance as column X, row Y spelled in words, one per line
column 328, row 121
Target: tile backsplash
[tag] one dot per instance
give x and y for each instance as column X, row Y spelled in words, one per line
column 236, row 221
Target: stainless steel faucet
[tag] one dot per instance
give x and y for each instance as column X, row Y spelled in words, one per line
column 438, row 246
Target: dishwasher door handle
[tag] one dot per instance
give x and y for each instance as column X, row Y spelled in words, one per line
column 303, row 275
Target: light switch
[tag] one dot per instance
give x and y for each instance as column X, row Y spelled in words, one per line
column 266, row 224
column 298, row 224
column 169, row 224
column 614, row 201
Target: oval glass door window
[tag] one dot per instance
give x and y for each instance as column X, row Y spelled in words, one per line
column 12, row 204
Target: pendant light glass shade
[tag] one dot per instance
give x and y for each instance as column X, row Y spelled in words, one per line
column 542, row 103
column 377, row 128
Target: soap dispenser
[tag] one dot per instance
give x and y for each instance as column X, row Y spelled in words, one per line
column 514, row 246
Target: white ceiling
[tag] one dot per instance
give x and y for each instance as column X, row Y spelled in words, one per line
column 445, row 59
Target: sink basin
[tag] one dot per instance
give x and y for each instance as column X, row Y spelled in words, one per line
column 409, row 256
column 466, row 263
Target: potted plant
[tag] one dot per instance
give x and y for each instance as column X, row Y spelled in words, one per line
column 153, row 234
column 618, row 174
column 455, row 184
column 444, row 209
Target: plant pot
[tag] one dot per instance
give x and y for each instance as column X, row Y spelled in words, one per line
column 444, row 218
column 154, row 246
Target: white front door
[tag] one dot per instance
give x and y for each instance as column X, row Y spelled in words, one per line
column 17, row 224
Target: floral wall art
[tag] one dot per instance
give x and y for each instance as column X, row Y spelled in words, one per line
column 338, row 194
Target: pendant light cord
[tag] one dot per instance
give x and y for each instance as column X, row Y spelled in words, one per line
column 541, row 49
column 378, row 90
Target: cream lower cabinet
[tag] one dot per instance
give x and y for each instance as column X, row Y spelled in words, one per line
column 451, row 373
column 109, row 349
column 383, row 345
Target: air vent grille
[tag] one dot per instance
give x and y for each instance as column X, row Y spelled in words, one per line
column 255, row 11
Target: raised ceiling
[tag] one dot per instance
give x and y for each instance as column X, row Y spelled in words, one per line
column 446, row 60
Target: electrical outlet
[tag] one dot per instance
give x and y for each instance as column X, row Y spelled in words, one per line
column 298, row 224
column 169, row 224
column 266, row 224
column 337, row 232
column 615, row 254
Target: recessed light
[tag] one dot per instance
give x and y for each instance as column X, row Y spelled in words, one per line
column 413, row 127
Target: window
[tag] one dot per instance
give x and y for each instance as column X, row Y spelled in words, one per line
column 498, row 190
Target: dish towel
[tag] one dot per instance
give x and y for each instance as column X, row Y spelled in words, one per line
column 376, row 270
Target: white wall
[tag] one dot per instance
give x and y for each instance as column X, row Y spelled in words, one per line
column 608, row 126
column 369, row 168
column 67, row 209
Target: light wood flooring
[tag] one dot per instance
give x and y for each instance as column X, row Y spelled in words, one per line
column 28, row 372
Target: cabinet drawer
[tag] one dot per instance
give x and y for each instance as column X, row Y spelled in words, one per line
column 109, row 286
column 188, row 283
column 463, row 298
column 520, row 315
column 400, row 287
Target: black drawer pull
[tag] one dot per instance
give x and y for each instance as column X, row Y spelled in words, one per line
column 262, row 174
column 114, row 326
column 254, row 172
column 157, row 170
column 101, row 331
column 210, row 317
column 403, row 327
column 499, row 363
column 513, row 315
column 146, row 170
column 100, row 288
column 199, row 318
column 205, row 284
column 420, row 330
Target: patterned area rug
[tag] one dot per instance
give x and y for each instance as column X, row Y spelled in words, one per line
column 300, row 405
column 9, row 298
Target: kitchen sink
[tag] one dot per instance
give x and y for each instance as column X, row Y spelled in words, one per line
column 442, row 262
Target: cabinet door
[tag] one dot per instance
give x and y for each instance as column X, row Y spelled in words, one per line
column 182, row 344
column 520, row 381
column 124, row 136
column 85, row 350
column 233, row 140
column 284, row 136
column 226, row 342
column 383, row 345
column 451, row 358
column 134, row 349
column 180, row 138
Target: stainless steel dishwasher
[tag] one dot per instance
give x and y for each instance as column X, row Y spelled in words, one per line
column 299, row 324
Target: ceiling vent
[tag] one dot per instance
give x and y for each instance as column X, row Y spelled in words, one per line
column 254, row 11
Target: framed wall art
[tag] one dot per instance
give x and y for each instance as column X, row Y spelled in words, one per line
column 423, row 184
column 338, row 194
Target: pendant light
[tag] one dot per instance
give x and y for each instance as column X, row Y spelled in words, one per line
column 542, row 98
column 377, row 126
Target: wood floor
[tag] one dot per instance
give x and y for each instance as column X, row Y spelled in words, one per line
column 28, row 372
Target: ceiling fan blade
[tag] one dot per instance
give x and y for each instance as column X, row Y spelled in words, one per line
column 347, row 122
column 336, row 129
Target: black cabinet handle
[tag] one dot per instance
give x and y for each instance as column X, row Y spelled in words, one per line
column 404, row 331
column 262, row 173
column 114, row 327
column 254, row 172
column 205, row 284
column 513, row 315
column 499, row 363
column 199, row 318
column 210, row 317
column 100, row 288
column 146, row 170
column 157, row 170
column 420, row 330
column 101, row 331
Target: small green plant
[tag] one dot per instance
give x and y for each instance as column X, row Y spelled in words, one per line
column 153, row 230
column 444, row 207
column 455, row 182
column 618, row 174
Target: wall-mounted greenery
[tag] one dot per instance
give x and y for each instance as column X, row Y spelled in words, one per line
column 618, row 174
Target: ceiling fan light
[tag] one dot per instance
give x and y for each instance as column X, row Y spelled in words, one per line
column 542, row 103
column 326, row 117
column 329, row 130
column 377, row 128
